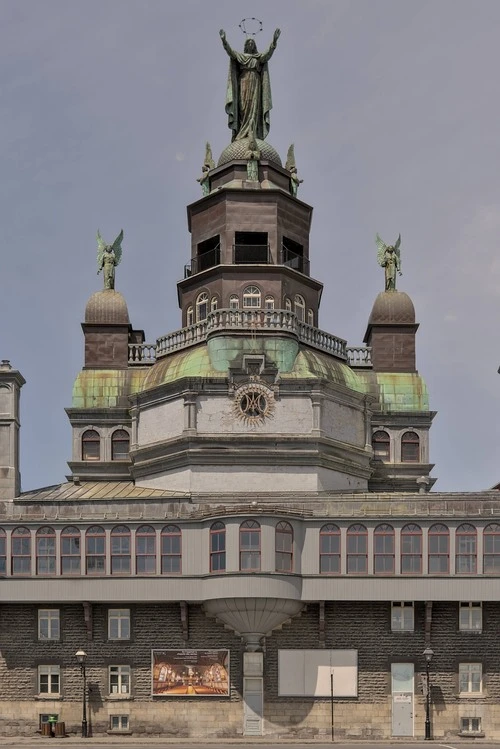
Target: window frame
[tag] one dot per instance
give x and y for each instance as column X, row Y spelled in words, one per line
column 253, row 529
column 120, row 437
column 491, row 535
column 384, row 531
column 378, row 453
column 358, row 532
column 71, row 556
column 202, row 302
column 330, row 531
column 53, row 619
column 283, row 546
column 310, row 317
column 47, row 555
column 218, row 547
column 466, row 616
column 93, row 533
column 414, row 532
column 189, row 316
column 433, row 535
column 122, row 673
column 3, row 552
column 120, row 728
column 119, row 624
column 463, row 532
column 468, row 669
column 299, row 307
column 252, row 294
column 120, row 550
column 20, row 534
column 52, row 672
column 88, row 438
column 269, row 302
column 144, row 557
column 404, row 620
column 171, row 532
column 410, row 446
column 234, row 302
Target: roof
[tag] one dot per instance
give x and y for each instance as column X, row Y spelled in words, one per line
column 95, row 490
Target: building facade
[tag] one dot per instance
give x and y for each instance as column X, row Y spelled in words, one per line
column 247, row 535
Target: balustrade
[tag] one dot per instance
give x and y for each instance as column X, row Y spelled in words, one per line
column 359, row 356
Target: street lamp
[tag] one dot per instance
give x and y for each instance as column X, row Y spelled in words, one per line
column 81, row 657
column 428, row 653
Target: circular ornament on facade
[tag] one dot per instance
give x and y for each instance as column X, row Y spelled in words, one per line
column 253, row 403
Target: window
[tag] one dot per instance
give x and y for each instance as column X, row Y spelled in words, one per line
column 119, row 679
column 269, row 302
column 383, row 550
column 21, row 551
column 471, row 616
column 70, row 551
column 411, row 549
column 357, row 549
column 49, row 679
column 45, row 551
column 91, row 445
column 3, row 552
column 470, row 725
column 95, row 561
column 234, row 301
column 202, row 306
column 288, row 304
column 118, row 722
column 120, row 445
column 284, row 547
column 491, row 549
column 120, row 550
column 251, row 297
column 381, row 445
column 251, row 247
column 300, row 307
column 218, row 547
column 119, row 624
column 145, row 550
column 189, row 315
column 329, row 550
column 48, row 624
column 44, row 718
column 250, row 546
column 410, row 448
column 402, row 616
column 439, row 549
column 310, row 317
column 465, row 549
column 470, row 678
column 214, row 303
column 171, row 554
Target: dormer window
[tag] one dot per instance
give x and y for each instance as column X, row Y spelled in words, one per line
column 91, row 445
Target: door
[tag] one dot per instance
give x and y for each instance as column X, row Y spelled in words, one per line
column 253, row 706
column 402, row 679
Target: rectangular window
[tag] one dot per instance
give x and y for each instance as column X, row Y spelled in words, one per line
column 470, row 678
column 471, row 617
column 402, row 616
column 48, row 624
column 470, row 725
column 118, row 723
column 119, row 679
column 119, row 624
column 49, row 678
column 44, row 718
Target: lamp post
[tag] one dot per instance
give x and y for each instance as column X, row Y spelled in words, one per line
column 428, row 653
column 81, row 657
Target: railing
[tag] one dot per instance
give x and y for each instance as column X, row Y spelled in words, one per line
column 202, row 262
column 359, row 356
column 142, row 353
column 182, row 338
column 251, row 254
column 294, row 260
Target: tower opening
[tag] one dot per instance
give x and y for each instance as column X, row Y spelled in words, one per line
column 251, row 247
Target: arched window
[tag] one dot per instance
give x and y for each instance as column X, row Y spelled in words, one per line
column 466, row 549
column 21, row 551
column 189, row 315
column 202, row 306
column 329, row 550
column 120, row 550
column 120, row 445
column 214, row 303
column 288, row 304
column 381, row 445
column 250, row 546
column 310, row 317
column 300, row 307
column 410, row 448
column 70, row 551
column 411, row 549
column 95, row 550
column 3, row 552
column 357, row 549
column 171, row 554
column 491, row 549
column 383, row 550
column 284, row 547
column 251, row 297
column 269, row 302
column 234, row 301
column 145, row 550
column 45, row 551
column 439, row 549
column 218, row 547
column 91, row 445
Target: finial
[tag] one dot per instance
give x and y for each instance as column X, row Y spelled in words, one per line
column 292, row 168
column 108, row 257
column 389, row 258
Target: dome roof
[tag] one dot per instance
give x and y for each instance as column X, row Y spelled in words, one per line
column 392, row 308
column 107, row 306
column 238, row 148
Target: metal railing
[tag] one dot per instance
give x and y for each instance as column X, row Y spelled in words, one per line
column 295, row 261
column 202, row 262
column 251, row 254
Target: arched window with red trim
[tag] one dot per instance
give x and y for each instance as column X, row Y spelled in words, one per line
column 70, row 550
column 91, row 445
column 284, row 547
column 381, row 445
column 466, row 549
column 3, row 552
column 21, row 551
column 439, row 549
column 171, row 550
column 45, row 551
column 120, row 445
column 383, row 550
column 411, row 549
column 329, row 549
column 491, row 549
column 95, row 550
column 250, row 546
column 357, row 549
column 217, row 547
column 120, row 550
column 410, row 448
column 145, row 550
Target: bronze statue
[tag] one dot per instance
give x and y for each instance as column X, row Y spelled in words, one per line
column 108, row 257
column 208, row 164
column 248, row 95
column 389, row 257
column 292, row 168
column 252, row 155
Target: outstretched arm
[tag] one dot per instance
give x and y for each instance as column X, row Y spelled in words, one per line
column 265, row 56
column 226, row 44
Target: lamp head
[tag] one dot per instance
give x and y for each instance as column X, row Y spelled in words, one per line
column 81, row 656
column 428, row 653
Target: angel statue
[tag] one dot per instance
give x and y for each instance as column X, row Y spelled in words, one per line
column 389, row 257
column 292, row 168
column 108, row 257
column 208, row 164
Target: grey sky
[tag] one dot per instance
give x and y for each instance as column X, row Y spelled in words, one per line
column 394, row 110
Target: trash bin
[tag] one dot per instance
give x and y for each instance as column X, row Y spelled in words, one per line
column 46, row 729
column 60, row 729
column 51, row 723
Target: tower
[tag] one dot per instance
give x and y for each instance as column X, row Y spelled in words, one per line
column 11, row 382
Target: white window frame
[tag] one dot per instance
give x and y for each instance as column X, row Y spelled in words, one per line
column 118, row 624
column 202, row 302
column 269, row 302
column 470, row 616
column 119, row 723
column 299, row 307
column 467, row 725
column 466, row 673
column 53, row 624
column 402, row 616
column 119, row 680
column 252, row 297
column 49, row 672
column 214, row 303
column 189, row 316
column 234, row 301
column 310, row 317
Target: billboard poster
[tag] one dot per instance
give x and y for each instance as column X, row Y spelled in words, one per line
column 190, row 673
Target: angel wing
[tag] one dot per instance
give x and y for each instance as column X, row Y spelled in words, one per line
column 117, row 248
column 381, row 245
column 290, row 157
column 101, row 246
column 397, row 250
column 209, row 161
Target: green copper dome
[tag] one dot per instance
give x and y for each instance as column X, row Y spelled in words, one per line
column 237, row 150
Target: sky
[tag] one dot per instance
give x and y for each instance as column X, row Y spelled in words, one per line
column 394, row 110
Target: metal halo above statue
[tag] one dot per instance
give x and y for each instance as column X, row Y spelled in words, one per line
column 246, row 23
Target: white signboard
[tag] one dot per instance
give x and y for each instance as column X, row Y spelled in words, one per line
column 308, row 673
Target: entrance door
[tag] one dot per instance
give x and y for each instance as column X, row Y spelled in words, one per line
column 402, row 698
column 253, row 706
